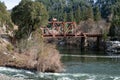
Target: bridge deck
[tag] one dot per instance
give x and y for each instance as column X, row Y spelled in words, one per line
column 72, row 35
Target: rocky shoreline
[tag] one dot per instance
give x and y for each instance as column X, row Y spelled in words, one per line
column 5, row 77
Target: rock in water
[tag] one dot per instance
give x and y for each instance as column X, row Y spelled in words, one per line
column 113, row 47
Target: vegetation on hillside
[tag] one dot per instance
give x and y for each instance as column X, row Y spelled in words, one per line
column 5, row 16
column 81, row 10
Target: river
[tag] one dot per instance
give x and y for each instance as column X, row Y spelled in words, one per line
column 77, row 66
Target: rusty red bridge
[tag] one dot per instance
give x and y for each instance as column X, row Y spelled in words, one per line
column 57, row 29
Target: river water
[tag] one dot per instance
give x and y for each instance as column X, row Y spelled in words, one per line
column 77, row 66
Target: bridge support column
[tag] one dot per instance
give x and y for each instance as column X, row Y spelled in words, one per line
column 82, row 43
column 98, row 43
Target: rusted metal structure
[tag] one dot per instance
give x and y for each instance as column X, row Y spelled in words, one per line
column 64, row 29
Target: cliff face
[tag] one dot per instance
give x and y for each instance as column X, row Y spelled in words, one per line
column 40, row 57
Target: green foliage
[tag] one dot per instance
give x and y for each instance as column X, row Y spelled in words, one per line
column 10, row 47
column 5, row 16
column 97, row 14
column 89, row 12
column 29, row 16
column 78, row 15
column 70, row 16
column 69, row 10
column 64, row 17
column 110, row 10
column 105, row 35
column 105, row 7
column 115, row 27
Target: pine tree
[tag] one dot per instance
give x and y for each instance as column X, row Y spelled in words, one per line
column 29, row 16
column 78, row 15
column 89, row 12
column 65, row 17
column 97, row 14
column 71, row 16
column 115, row 27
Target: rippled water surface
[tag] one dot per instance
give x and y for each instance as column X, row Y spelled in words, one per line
column 77, row 66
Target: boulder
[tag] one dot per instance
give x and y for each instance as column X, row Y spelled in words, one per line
column 113, row 47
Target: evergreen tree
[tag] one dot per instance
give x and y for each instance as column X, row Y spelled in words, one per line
column 65, row 17
column 97, row 14
column 5, row 16
column 115, row 27
column 105, row 7
column 89, row 13
column 70, row 16
column 78, row 15
column 29, row 16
